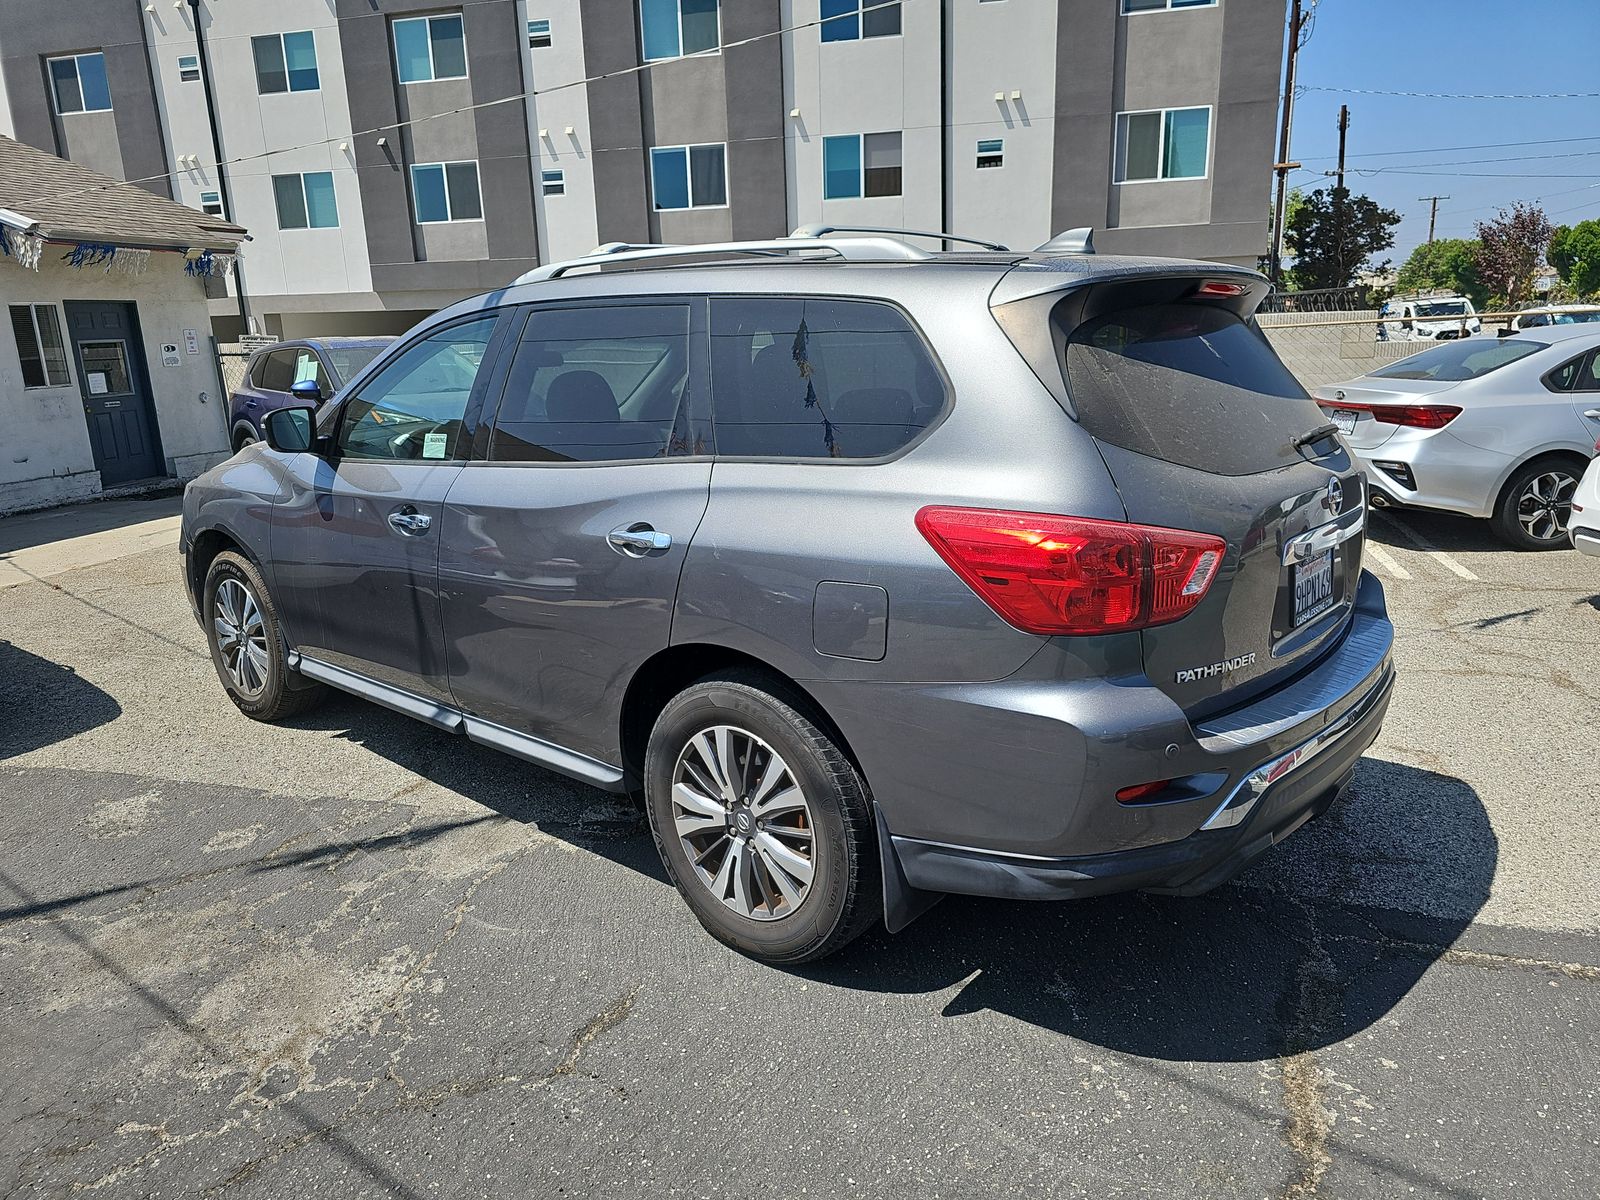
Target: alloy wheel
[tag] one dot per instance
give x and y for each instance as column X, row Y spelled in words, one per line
column 1546, row 505
column 241, row 637
column 744, row 823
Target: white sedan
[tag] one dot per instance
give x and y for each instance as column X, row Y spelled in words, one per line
column 1584, row 528
column 1500, row 429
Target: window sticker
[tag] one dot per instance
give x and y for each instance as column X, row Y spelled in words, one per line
column 435, row 444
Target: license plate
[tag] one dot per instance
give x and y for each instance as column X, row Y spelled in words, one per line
column 1344, row 420
column 1313, row 587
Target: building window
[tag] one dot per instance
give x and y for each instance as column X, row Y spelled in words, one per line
column 306, row 201
column 443, row 192
column 1139, row 6
column 39, row 345
column 689, row 176
column 428, row 48
column 538, row 34
column 991, row 153
column 1171, row 143
column 211, row 202
column 850, row 20
column 860, row 165
column 674, row 28
column 188, row 68
column 79, row 83
column 553, row 182
column 285, row 62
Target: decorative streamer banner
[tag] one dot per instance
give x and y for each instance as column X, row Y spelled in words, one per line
column 25, row 248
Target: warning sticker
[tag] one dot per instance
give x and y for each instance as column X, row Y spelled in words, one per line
column 434, row 445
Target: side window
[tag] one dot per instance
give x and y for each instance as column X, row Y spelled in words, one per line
column 818, row 378
column 1565, row 377
column 414, row 406
column 1589, row 376
column 597, row 385
column 277, row 372
column 308, row 366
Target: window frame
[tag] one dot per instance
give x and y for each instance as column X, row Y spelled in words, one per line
column 688, row 166
column 860, row 140
column 33, row 307
column 1577, row 363
column 77, row 75
column 433, row 74
column 547, row 34
column 999, row 155
column 1166, row 7
column 283, row 57
column 677, row 5
column 305, row 200
column 444, row 173
column 221, row 212
column 183, row 77
column 556, row 186
column 1119, row 149
column 860, row 35
column 829, row 462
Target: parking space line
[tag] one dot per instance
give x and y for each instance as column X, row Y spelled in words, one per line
column 1387, row 561
column 1428, row 548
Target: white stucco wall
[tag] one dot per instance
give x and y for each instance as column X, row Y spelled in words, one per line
column 45, row 456
column 566, row 224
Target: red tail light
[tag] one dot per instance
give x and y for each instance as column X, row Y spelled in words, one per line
column 1074, row 575
column 1418, row 416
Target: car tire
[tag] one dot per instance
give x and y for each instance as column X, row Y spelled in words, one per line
column 1536, row 499
column 788, row 872
column 242, row 439
column 246, row 642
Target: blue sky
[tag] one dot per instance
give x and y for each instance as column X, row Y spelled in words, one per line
column 1456, row 46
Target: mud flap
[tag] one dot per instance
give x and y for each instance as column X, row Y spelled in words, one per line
column 902, row 903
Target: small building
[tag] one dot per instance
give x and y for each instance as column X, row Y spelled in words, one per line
column 108, row 374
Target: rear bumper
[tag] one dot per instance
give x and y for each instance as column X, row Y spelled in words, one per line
column 1443, row 472
column 1585, row 540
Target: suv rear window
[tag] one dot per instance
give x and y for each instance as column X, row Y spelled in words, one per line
column 1455, row 361
column 1192, row 384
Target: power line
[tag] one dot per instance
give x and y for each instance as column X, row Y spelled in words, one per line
column 1455, row 95
column 1453, row 149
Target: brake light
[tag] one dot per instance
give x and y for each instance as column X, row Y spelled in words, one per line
column 1214, row 287
column 1049, row 574
column 1417, row 416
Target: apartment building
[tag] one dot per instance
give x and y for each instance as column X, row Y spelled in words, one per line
column 389, row 156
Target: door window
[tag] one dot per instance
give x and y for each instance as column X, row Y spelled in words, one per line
column 277, row 371
column 413, row 408
column 105, row 368
column 597, row 385
column 308, row 366
column 818, row 378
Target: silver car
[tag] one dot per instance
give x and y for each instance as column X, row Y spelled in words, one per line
column 1500, row 429
column 874, row 574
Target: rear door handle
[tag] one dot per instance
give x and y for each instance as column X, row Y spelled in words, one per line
column 409, row 521
column 638, row 540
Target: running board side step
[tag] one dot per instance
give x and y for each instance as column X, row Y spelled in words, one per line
column 535, row 750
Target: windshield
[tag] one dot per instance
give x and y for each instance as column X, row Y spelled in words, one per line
column 348, row 360
column 1442, row 308
column 1456, row 361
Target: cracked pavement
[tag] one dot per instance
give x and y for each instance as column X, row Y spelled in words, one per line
column 353, row 956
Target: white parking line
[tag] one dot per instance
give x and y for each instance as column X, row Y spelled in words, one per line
column 1387, row 561
column 1428, row 548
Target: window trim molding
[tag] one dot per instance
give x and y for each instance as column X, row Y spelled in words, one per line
column 33, row 307
column 714, row 52
column 689, row 176
column 55, row 96
column 1168, row 7
column 283, row 50
column 433, row 75
column 1161, row 151
column 477, row 174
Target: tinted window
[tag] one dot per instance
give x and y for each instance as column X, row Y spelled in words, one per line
column 596, row 385
column 413, row 408
column 1189, row 383
column 1467, row 358
column 818, row 378
column 276, row 373
column 348, row 360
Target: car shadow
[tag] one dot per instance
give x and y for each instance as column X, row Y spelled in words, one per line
column 1314, row 943
column 1440, row 530
column 43, row 702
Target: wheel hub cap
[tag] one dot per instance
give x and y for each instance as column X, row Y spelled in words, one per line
column 241, row 637
column 1545, row 505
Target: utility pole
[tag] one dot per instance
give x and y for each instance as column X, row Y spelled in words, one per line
column 1339, row 194
column 1283, row 166
column 1344, row 128
column 1433, row 212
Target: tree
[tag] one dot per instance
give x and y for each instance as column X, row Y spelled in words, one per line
column 1575, row 253
column 1333, row 234
column 1512, row 247
column 1449, row 264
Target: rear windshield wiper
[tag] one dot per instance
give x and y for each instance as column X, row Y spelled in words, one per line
column 1314, row 435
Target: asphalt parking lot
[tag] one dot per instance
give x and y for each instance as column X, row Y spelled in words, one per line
column 353, row 956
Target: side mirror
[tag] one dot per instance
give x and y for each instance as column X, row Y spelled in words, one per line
column 307, row 391
column 290, row 430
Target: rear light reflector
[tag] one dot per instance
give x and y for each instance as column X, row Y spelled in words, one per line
column 1142, row 791
column 1399, row 472
column 1049, row 574
column 1417, row 416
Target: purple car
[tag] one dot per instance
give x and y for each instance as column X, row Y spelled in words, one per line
column 309, row 370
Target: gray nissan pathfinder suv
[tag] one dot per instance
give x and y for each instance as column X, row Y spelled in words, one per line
column 875, row 573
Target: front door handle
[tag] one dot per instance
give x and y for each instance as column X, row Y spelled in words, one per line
column 409, row 521
column 638, row 540
column 1593, row 414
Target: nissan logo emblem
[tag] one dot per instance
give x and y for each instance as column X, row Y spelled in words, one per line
column 1334, row 500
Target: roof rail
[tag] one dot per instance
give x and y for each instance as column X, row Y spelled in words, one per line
column 1072, row 241
column 819, row 230
column 879, row 249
